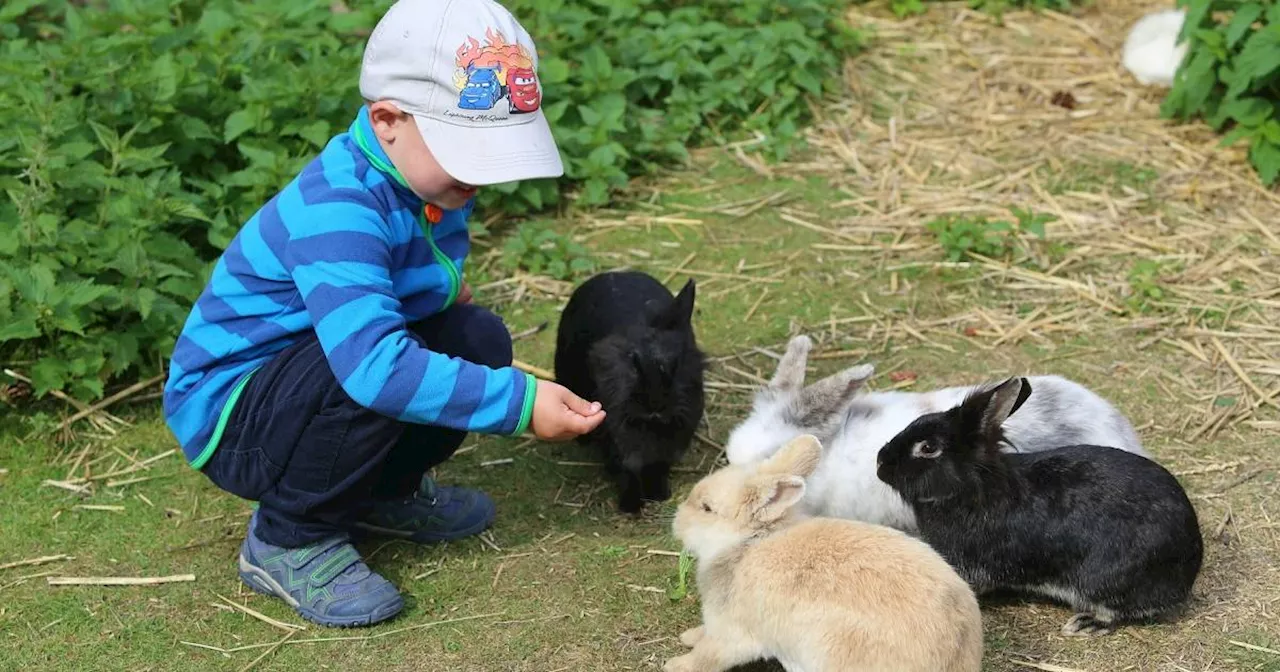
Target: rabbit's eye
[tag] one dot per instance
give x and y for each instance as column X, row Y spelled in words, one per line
column 925, row 449
column 706, row 507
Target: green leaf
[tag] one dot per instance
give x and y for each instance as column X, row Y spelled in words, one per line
column 146, row 299
column 48, row 374
column 1261, row 54
column 1244, row 17
column 1265, row 156
column 16, row 330
column 238, row 123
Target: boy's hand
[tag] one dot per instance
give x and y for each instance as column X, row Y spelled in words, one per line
column 559, row 414
column 464, row 294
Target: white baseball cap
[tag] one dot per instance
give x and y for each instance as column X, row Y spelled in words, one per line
column 467, row 72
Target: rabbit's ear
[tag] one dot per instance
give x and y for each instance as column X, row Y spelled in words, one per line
column 679, row 314
column 789, row 375
column 798, row 457
column 831, row 395
column 986, row 411
column 771, row 496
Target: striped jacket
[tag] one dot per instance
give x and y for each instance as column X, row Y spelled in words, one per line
column 344, row 250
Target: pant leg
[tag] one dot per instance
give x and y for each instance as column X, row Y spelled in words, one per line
column 466, row 331
column 300, row 446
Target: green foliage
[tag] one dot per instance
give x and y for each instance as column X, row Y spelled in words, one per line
column 539, row 249
column 140, row 134
column 960, row 235
column 1231, row 76
column 1145, row 285
column 684, row 569
column 904, row 8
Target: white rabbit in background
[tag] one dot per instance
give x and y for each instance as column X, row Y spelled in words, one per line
column 853, row 425
column 1152, row 51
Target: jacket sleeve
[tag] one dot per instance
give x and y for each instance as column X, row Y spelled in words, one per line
column 339, row 255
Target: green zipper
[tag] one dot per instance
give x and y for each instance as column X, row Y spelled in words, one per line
column 455, row 281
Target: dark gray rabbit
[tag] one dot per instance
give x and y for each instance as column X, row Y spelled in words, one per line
column 1111, row 533
column 626, row 342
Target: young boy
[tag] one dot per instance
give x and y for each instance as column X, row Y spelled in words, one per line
column 335, row 357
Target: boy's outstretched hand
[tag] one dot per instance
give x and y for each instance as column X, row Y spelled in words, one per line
column 559, row 414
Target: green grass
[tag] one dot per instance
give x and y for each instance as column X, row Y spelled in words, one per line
column 574, row 586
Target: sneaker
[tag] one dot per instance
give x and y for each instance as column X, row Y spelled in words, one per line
column 432, row 514
column 326, row 582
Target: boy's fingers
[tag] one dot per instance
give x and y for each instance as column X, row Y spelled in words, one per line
column 579, row 405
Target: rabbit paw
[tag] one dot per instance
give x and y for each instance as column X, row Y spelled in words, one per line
column 692, row 636
column 685, row 663
column 1086, row 625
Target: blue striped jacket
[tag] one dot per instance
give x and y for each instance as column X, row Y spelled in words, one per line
column 344, row 250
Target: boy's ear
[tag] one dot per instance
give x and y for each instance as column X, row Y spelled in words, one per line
column 679, row 314
column 789, row 375
column 772, row 496
column 384, row 116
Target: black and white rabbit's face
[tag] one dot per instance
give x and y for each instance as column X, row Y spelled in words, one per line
column 943, row 454
column 928, row 460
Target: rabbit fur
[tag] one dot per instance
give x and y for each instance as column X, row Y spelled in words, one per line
column 853, row 425
column 817, row 594
column 625, row 341
column 1152, row 52
column 1110, row 533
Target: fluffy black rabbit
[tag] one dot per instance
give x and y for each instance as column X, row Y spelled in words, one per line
column 1109, row 532
column 625, row 342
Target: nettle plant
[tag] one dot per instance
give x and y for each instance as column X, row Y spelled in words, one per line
column 140, row 134
column 1231, row 76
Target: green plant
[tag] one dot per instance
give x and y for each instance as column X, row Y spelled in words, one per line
column 684, row 568
column 1145, row 285
column 904, row 8
column 961, row 235
column 1231, row 76
column 539, row 249
column 140, row 135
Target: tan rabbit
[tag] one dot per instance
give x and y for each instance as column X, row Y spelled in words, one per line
column 817, row 594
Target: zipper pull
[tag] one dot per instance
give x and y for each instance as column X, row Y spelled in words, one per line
column 433, row 213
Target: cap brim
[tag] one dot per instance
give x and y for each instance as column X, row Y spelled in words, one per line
column 494, row 154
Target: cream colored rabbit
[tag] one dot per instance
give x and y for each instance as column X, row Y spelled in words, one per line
column 817, row 594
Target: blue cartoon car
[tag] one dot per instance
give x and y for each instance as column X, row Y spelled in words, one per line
column 482, row 91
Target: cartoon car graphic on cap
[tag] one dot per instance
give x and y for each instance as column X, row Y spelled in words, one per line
column 522, row 90
column 482, row 91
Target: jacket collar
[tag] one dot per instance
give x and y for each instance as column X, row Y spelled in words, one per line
column 361, row 131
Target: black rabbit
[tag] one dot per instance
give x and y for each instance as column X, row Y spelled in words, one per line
column 1109, row 532
column 625, row 342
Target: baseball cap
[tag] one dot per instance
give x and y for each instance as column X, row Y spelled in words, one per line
column 467, row 72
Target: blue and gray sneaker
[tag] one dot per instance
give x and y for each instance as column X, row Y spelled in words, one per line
column 326, row 582
column 432, row 514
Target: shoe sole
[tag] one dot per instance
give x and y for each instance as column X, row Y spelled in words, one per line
column 261, row 582
column 426, row 538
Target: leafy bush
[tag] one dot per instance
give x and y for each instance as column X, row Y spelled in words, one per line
column 140, row 134
column 1231, row 75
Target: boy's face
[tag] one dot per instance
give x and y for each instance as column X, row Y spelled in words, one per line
column 403, row 143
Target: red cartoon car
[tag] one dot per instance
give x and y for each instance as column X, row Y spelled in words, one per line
column 522, row 90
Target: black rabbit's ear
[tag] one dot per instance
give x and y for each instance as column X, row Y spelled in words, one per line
column 679, row 314
column 1001, row 402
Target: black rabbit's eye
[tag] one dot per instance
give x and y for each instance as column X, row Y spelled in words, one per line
column 925, row 449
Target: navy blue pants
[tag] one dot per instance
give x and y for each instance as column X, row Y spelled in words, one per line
column 313, row 458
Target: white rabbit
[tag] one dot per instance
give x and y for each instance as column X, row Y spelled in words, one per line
column 854, row 425
column 817, row 594
column 1152, row 51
